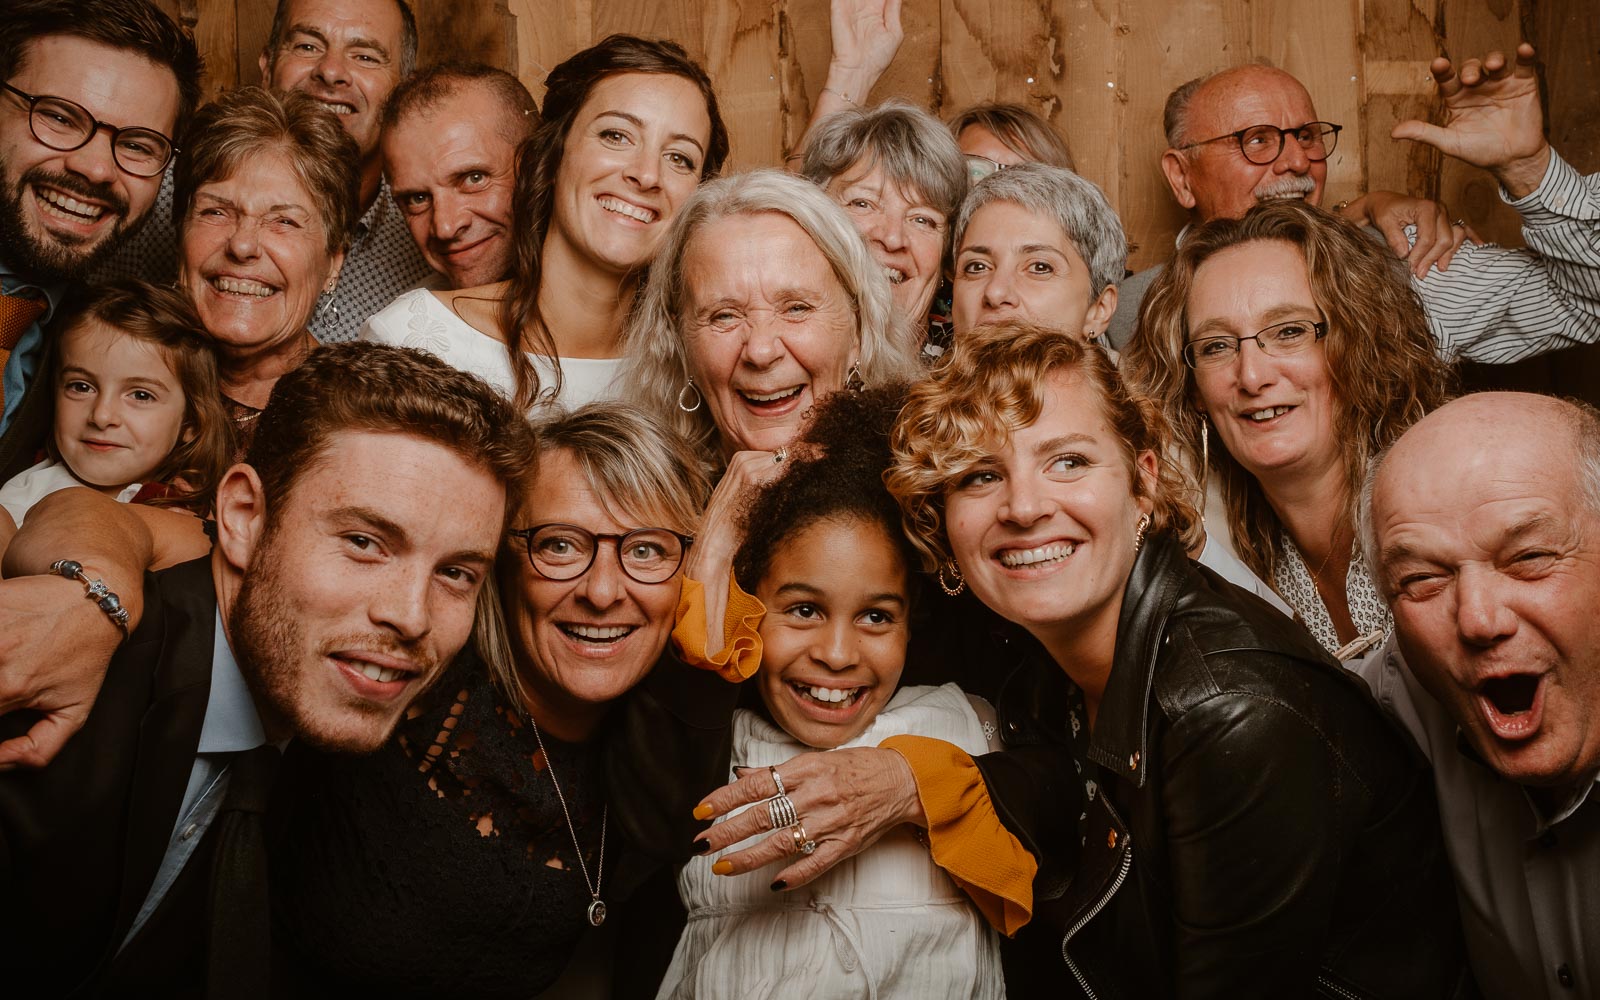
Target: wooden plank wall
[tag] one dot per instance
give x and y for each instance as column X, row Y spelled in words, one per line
column 1099, row 69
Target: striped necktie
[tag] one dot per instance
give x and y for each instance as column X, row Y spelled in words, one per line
column 17, row 314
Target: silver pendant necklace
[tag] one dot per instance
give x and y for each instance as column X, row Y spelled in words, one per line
column 597, row 906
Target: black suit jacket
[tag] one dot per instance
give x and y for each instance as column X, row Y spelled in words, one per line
column 81, row 840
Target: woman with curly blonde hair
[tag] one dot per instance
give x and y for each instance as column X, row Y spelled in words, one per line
column 1238, row 797
column 1286, row 350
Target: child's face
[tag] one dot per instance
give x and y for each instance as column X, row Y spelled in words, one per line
column 119, row 406
column 836, row 597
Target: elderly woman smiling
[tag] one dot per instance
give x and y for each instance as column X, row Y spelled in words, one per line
column 762, row 301
column 899, row 176
column 265, row 196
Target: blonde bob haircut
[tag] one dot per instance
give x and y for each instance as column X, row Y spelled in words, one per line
column 641, row 471
column 1382, row 360
column 657, row 366
column 993, row 383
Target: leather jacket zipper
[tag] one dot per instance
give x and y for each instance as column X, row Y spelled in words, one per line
column 1330, row 988
column 1116, row 883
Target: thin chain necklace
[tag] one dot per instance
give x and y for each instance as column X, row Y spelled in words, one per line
column 597, row 908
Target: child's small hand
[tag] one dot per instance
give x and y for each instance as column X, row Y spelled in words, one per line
column 845, row 801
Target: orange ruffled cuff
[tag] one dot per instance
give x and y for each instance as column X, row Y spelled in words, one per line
column 740, row 656
column 965, row 833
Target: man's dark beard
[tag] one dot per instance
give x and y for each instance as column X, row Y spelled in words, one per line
column 268, row 639
column 50, row 261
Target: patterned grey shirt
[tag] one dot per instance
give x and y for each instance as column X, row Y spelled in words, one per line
column 1294, row 581
column 383, row 261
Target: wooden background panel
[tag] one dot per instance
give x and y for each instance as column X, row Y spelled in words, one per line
column 1084, row 103
column 1399, row 39
column 740, row 52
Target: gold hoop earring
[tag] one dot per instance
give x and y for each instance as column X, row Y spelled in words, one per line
column 689, row 387
column 1205, row 444
column 955, row 571
column 1138, row 532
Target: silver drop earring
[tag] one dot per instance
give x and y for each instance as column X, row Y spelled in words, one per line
column 688, row 388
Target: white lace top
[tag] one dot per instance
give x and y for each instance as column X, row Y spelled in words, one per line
column 419, row 319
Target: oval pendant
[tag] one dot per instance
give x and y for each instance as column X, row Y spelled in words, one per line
column 597, row 913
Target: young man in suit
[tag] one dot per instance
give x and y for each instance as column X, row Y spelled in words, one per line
column 350, row 548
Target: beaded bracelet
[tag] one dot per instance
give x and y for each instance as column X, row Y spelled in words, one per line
column 98, row 592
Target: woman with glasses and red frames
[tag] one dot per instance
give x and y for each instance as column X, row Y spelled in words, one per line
column 1287, row 349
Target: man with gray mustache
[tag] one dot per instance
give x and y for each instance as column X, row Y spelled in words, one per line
column 1250, row 134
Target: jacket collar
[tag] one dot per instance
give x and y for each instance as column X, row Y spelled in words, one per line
column 1121, row 730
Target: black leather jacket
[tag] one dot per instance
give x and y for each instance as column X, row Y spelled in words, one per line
column 1260, row 828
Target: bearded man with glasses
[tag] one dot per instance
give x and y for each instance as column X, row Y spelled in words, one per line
column 1250, row 135
column 94, row 94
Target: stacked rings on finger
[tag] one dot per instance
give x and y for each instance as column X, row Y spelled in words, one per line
column 802, row 842
column 781, row 811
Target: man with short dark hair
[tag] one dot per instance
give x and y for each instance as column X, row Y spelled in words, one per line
column 94, row 95
column 450, row 139
column 1482, row 529
column 1250, row 134
column 350, row 549
column 349, row 55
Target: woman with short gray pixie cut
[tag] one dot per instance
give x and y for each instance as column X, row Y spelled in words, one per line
column 672, row 367
column 1040, row 243
column 900, row 176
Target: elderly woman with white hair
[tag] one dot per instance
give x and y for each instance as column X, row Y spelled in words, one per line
column 900, row 176
column 762, row 300
column 1039, row 243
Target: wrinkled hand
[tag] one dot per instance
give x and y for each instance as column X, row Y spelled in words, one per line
column 866, row 36
column 1493, row 118
column 54, row 650
column 846, row 800
column 720, row 535
column 1438, row 238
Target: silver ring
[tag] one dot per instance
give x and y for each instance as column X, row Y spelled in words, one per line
column 802, row 842
column 779, row 455
column 781, row 811
column 777, row 779
column 1460, row 222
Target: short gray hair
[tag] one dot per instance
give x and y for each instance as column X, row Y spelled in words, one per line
column 1584, row 421
column 1079, row 207
column 656, row 365
column 916, row 151
column 1175, row 116
column 634, row 464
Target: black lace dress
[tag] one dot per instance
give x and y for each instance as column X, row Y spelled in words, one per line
column 440, row 865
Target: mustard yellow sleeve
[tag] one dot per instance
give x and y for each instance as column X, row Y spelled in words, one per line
column 965, row 833
column 741, row 624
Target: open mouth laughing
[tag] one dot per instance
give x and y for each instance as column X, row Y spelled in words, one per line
column 1512, row 705
column 827, row 697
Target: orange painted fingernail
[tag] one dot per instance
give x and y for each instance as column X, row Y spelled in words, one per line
column 701, row 811
column 722, row 868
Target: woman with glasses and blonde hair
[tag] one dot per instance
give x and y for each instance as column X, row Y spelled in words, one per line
column 472, row 853
column 1286, row 349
